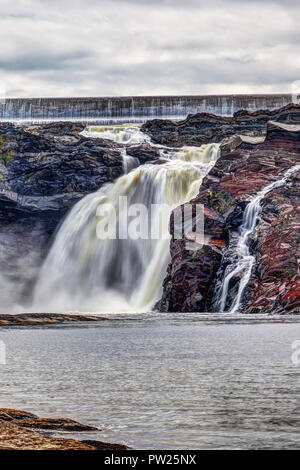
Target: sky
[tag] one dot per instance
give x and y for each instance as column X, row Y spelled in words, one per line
column 148, row 47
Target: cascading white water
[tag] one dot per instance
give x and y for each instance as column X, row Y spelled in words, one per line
column 83, row 272
column 244, row 262
column 122, row 134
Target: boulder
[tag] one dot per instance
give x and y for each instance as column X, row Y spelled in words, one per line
column 203, row 128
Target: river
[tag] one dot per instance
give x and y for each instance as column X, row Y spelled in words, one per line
column 153, row 381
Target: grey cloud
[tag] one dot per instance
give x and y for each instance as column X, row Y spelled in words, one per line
column 34, row 61
column 148, row 46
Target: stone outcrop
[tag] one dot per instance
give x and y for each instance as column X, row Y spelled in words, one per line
column 29, row 319
column 20, row 430
column 133, row 108
column 205, row 128
column 237, row 176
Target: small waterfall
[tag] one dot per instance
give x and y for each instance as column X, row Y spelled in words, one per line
column 121, row 134
column 123, row 273
column 129, row 162
column 244, row 261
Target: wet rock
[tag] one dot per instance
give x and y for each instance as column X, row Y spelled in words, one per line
column 29, row 420
column 26, row 319
column 98, row 445
column 144, row 153
column 235, row 216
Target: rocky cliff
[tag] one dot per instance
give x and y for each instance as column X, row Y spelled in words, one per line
column 44, row 171
column 203, row 128
column 193, row 276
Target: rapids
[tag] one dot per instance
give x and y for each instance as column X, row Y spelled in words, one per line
column 124, row 269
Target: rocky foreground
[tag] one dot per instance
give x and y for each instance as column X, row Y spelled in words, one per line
column 20, row 430
column 194, row 276
column 38, row 319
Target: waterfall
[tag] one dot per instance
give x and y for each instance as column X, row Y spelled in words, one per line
column 125, row 272
column 244, row 261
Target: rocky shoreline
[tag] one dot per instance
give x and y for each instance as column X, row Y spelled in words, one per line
column 38, row 319
column 21, row 430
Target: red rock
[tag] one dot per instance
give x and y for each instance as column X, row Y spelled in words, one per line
column 236, row 177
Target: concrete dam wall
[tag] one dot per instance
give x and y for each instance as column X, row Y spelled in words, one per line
column 133, row 108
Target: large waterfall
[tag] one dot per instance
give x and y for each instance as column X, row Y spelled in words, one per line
column 123, row 271
column 243, row 262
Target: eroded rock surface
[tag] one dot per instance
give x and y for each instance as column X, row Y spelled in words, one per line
column 237, row 176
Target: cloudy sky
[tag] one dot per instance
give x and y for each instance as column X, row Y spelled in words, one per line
column 147, row 47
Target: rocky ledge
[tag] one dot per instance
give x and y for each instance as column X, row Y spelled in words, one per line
column 20, row 430
column 194, row 276
column 203, row 128
column 29, row 319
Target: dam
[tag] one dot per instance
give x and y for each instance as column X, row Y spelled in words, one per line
column 134, row 109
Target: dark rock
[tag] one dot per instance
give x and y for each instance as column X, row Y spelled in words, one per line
column 29, row 420
column 98, row 445
column 204, row 128
column 44, row 170
column 26, row 319
column 143, row 152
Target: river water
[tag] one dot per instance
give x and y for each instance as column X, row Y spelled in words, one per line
column 153, row 381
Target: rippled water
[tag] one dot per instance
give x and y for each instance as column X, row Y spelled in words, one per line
column 189, row 382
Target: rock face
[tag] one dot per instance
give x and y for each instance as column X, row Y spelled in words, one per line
column 237, row 176
column 204, row 128
column 20, row 430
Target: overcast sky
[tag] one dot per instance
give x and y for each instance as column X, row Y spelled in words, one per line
column 147, row 47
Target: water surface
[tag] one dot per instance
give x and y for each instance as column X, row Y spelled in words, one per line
column 167, row 381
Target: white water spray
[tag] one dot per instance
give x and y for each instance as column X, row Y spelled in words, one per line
column 83, row 272
column 122, row 134
column 245, row 261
